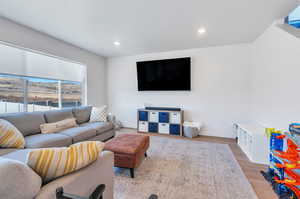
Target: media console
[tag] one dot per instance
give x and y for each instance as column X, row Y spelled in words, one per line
column 160, row 120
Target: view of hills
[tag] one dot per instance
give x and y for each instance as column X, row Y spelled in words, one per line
column 39, row 92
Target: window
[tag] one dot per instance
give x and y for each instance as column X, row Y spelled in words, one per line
column 19, row 94
column 71, row 94
column 11, row 94
column 42, row 94
column 32, row 81
column 294, row 18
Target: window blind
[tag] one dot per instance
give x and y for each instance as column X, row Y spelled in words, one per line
column 21, row 62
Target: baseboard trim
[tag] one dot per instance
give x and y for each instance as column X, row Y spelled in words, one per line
column 203, row 133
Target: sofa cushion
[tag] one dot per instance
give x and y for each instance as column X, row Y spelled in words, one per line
column 19, row 181
column 82, row 114
column 47, row 140
column 19, row 155
column 4, row 151
column 26, row 123
column 79, row 133
column 58, row 115
column 101, row 127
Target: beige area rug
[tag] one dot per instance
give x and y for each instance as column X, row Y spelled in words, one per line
column 185, row 169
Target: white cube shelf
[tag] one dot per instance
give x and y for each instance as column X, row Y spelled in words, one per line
column 165, row 121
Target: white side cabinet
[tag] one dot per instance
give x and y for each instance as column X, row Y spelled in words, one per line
column 254, row 142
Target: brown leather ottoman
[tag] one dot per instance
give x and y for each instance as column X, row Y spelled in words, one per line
column 129, row 150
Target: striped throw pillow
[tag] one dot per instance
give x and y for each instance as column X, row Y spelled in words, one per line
column 51, row 163
column 10, row 136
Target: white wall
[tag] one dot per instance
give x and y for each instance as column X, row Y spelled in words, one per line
column 276, row 77
column 27, row 38
column 228, row 83
column 249, row 82
column 220, row 88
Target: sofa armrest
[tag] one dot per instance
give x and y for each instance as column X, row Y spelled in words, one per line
column 84, row 181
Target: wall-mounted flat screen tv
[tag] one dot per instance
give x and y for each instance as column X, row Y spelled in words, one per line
column 164, row 75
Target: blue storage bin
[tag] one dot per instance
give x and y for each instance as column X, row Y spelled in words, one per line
column 153, row 127
column 163, row 117
column 143, row 115
column 276, row 144
column 174, row 129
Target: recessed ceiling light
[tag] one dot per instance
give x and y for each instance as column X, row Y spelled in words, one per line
column 116, row 43
column 201, row 31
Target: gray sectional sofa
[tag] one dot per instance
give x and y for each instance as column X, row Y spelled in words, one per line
column 29, row 125
column 81, row 182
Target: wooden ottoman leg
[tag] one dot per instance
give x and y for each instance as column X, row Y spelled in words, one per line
column 132, row 172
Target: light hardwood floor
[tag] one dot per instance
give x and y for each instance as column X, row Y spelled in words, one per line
column 251, row 170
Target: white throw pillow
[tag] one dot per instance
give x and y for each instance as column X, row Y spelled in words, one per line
column 99, row 114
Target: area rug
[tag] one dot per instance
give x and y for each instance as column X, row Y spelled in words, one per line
column 185, row 169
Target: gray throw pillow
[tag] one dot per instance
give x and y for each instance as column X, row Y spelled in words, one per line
column 18, row 181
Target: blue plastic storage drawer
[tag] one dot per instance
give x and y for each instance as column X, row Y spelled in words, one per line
column 163, row 117
column 174, row 129
column 275, row 143
column 143, row 115
column 153, row 127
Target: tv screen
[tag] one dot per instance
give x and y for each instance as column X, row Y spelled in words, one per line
column 164, row 75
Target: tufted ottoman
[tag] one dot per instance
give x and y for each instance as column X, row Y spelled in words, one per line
column 129, row 150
